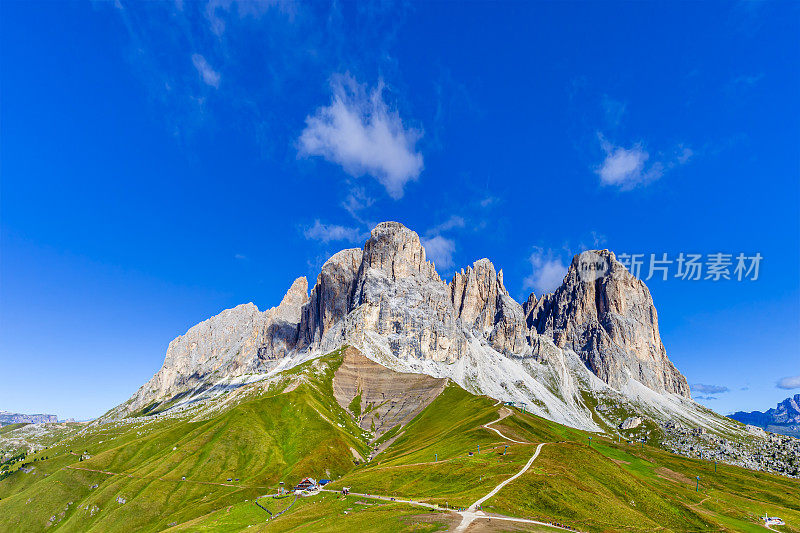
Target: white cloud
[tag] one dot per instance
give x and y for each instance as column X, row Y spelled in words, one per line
column 598, row 239
column 356, row 201
column 745, row 81
column 548, row 272
column 440, row 250
column 209, row 75
column 625, row 167
column 217, row 11
column 684, row 154
column 709, row 389
column 240, row 257
column 331, row 232
column 359, row 132
column 791, row 382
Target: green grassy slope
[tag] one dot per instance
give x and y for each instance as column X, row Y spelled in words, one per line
column 260, row 441
column 324, row 513
column 132, row 480
column 602, row 486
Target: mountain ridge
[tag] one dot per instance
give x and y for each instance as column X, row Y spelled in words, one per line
column 595, row 334
column 783, row 419
column 7, row 417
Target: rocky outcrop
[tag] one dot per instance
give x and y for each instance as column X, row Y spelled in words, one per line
column 631, row 423
column 484, row 306
column 331, row 298
column 607, row 316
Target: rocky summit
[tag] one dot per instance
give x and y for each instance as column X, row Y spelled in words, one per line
column 597, row 332
column 611, row 323
column 784, row 419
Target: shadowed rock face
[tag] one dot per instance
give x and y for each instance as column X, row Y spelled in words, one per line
column 388, row 398
column 331, row 298
column 388, row 295
column 612, row 324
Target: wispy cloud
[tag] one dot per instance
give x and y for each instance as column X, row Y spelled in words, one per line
column 357, row 200
column 361, row 133
column 331, row 232
column 217, row 11
column 790, row 382
column 240, row 257
column 207, row 74
column 440, row 250
column 627, row 168
column 709, row 389
column 598, row 239
column 683, row 154
column 489, row 201
column 746, row 80
column 705, row 397
column 454, row 221
column 548, row 271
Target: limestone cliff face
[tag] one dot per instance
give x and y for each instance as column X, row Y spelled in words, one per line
column 331, row 297
column 236, row 341
column 388, row 295
column 611, row 322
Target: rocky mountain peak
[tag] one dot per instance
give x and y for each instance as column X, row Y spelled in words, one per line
column 475, row 293
column 783, row 419
column 397, row 251
column 291, row 306
column 607, row 316
column 788, row 411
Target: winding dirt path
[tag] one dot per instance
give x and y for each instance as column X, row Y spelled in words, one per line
column 504, row 413
column 472, row 511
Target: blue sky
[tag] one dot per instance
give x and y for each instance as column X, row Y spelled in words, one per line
column 164, row 161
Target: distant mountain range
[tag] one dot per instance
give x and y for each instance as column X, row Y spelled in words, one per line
column 7, row 418
column 784, row 419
